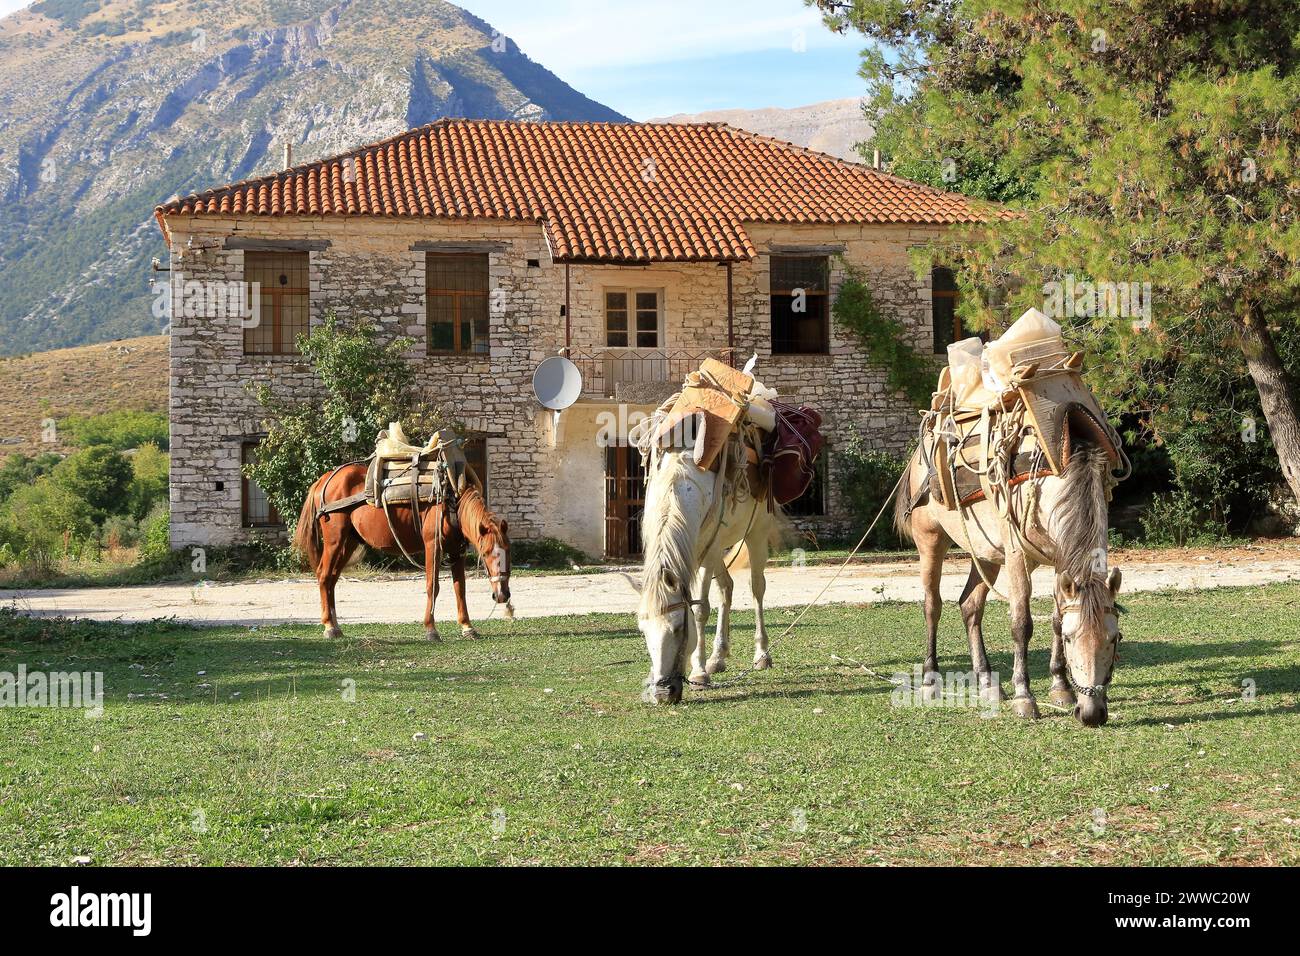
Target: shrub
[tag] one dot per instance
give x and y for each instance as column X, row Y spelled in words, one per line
column 155, row 534
column 1177, row 519
column 19, row 470
column 100, row 476
column 149, row 470
column 547, row 554
column 120, row 430
column 45, row 522
column 868, row 477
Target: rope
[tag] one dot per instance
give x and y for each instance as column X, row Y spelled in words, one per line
column 856, row 548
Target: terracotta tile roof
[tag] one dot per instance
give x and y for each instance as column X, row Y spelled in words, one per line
column 620, row 192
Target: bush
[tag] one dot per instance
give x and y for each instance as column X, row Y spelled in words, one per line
column 1177, row 519
column 149, row 471
column 120, row 430
column 45, row 522
column 155, row 534
column 100, row 476
column 547, row 554
column 119, row 531
column 19, row 470
column 868, row 477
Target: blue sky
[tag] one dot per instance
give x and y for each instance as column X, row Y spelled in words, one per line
column 649, row 58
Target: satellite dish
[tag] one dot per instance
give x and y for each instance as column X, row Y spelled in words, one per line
column 557, row 383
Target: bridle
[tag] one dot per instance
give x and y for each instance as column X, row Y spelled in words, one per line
column 1090, row 690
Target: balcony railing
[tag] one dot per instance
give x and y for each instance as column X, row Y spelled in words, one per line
column 638, row 376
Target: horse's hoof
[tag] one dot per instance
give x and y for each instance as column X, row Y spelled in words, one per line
column 716, row 667
column 333, row 633
column 432, row 635
column 699, row 679
column 1025, row 707
column 470, row 633
column 763, row 663
column 1063, row 697
column 931, row 690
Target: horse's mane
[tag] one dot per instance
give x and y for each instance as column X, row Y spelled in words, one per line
column 668, row 539
column 472, row 512
column 1079, row 520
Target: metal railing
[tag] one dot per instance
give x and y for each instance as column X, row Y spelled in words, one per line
column 638, row 375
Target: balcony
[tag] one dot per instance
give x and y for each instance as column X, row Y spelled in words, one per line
column 638, row 376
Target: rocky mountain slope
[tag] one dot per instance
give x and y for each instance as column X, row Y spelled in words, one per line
column 108, row 107
column 835, row 126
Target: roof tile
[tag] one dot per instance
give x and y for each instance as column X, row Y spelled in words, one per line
column 618, row 192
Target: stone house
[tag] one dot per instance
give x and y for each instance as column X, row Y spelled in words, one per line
column 635, row 249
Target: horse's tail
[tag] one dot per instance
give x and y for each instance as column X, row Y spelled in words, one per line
column 306, row 539
column 903, row 501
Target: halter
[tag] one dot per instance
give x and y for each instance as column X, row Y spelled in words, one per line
column 1091, row 690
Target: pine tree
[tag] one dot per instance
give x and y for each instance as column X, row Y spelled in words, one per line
column 1145, row 141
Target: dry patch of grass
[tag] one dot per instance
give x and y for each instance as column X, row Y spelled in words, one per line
column 129, row 374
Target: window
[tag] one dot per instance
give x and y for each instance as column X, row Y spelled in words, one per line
column 257, row 510
column 282, row 284
column 943, row 307
column 800, row 308
column 456, row 287
column 812, row 503
column 632, row 318
column 476, row 454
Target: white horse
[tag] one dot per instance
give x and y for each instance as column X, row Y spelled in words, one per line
column 692, row 519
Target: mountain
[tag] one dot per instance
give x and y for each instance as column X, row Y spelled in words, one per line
column 835, row 126
column 109, row 107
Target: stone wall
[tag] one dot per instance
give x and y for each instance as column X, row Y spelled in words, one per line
column 368, row 267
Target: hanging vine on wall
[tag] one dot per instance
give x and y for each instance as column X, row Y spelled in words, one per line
column 885, row 340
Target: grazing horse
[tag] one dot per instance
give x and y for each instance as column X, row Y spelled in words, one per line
column 1062, row 520
column 692, row 518
column 329, row 541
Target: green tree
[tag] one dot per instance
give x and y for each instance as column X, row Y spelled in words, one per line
column 99, row 476
column 365, row 383
column 19, row 470
column 1151, row 141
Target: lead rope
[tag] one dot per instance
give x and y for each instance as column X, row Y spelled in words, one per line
column 852, row 554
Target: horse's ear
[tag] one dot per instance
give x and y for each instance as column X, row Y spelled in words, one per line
column 1065, row 584
column 1113, row 581
column 505, row 527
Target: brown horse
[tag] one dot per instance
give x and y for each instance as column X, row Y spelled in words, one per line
column 328, row 541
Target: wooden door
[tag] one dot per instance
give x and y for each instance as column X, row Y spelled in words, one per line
column 624, row 501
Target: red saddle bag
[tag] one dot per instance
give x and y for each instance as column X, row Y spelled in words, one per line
column 791, row 450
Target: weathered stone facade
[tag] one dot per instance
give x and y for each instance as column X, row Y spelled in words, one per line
column 547, row 484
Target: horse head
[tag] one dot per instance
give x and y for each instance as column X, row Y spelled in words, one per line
column 1087, row 621
column 490, row 535
column 678, row 499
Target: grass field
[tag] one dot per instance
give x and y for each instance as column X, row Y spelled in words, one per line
column 238, row 746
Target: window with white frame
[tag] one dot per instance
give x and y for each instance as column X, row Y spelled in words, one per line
column 633, row 318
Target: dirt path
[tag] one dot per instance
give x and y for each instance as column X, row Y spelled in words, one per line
column 401, row 600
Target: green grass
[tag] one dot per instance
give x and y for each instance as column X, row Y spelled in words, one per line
column 807, row 763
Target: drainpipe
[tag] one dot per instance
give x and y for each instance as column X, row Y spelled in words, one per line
column 568, row 323
column 731, row 321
